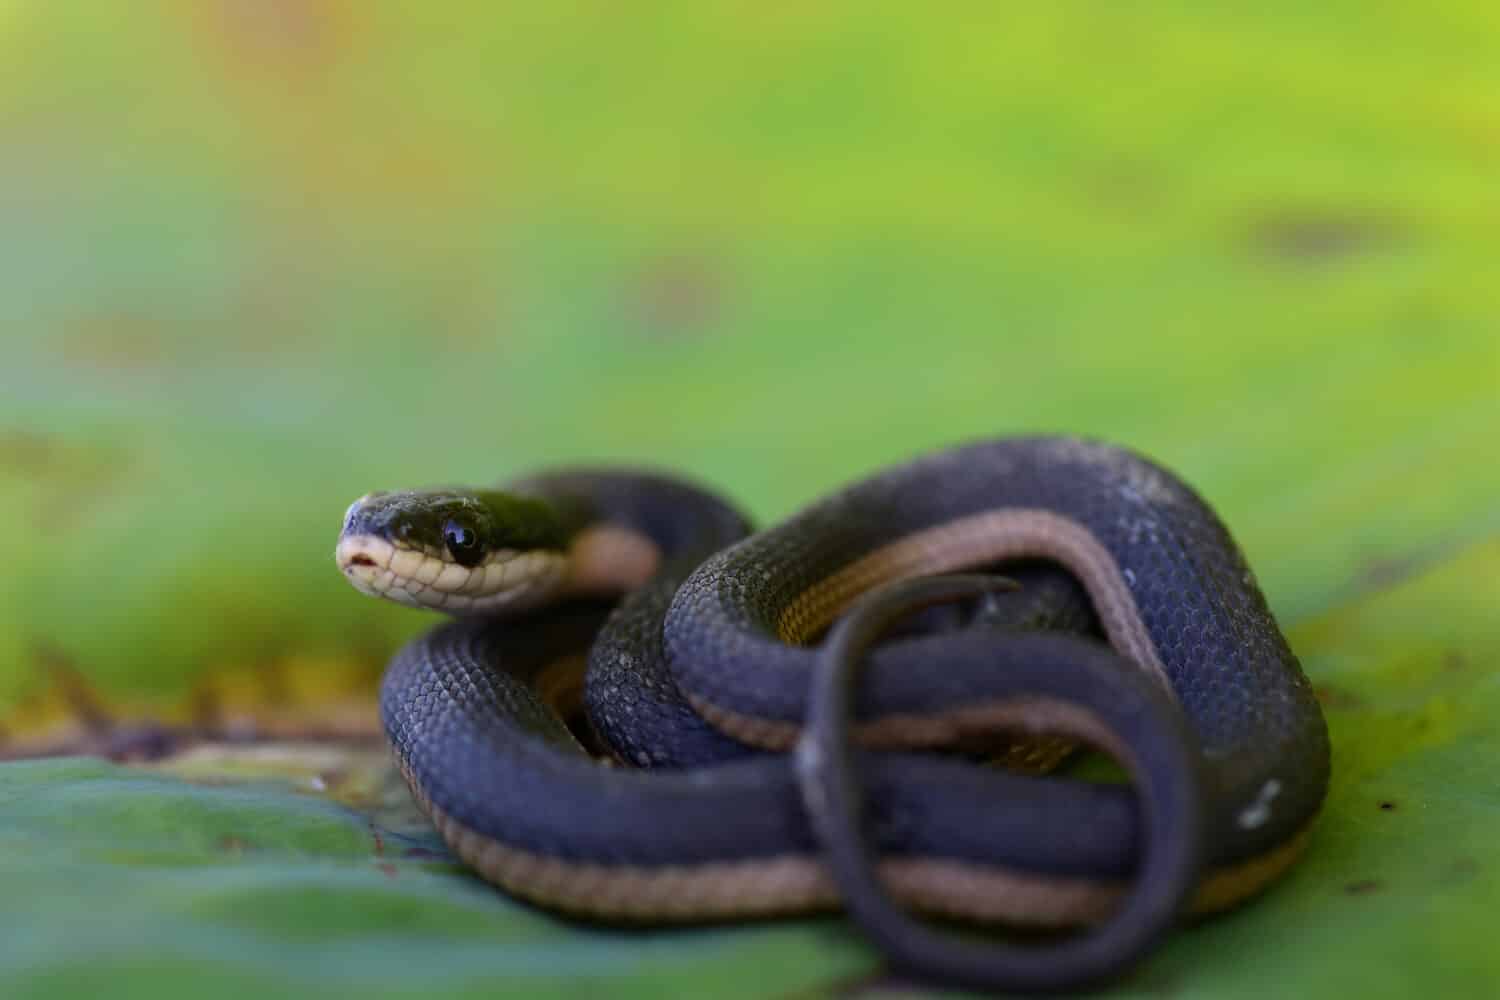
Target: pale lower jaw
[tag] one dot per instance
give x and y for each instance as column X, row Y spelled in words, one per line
column 508, row 581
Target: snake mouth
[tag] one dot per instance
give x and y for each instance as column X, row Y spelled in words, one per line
column 367, row 562
column 420, row 578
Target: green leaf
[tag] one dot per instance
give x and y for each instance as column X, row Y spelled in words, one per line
column 122, row 883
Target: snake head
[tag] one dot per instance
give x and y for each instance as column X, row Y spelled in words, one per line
column 462, row 551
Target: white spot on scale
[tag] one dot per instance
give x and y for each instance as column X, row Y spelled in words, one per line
column 1257, row 812
column 807, row 757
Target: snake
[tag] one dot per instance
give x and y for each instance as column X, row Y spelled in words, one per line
column 644, row 711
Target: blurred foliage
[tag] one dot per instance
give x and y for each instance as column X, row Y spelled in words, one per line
column 257, row 258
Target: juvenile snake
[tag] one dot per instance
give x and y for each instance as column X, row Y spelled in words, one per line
column 1126, row 619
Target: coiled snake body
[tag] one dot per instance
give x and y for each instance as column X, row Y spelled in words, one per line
column 1127, row 620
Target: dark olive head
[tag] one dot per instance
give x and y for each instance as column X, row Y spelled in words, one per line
column 464, row 526
column 460, row 551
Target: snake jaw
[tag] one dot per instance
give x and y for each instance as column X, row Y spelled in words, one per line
column 505, row 580
column 365, row 561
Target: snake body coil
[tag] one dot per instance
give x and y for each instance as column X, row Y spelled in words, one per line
column 711, row 653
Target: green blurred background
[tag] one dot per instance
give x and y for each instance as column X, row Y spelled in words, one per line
column 257, row 258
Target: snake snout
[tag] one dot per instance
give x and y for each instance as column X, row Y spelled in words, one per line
column 362, row 555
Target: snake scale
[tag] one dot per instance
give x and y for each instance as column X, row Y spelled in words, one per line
column 1115, row 611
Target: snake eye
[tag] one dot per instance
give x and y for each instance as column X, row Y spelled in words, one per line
column 463, row 543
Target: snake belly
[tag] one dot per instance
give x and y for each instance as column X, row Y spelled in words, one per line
column 703, row 674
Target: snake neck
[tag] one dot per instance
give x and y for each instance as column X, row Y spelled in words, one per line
column 626, row 528
column 608, row 559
